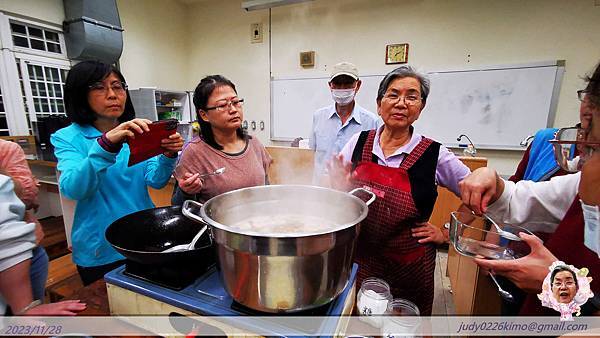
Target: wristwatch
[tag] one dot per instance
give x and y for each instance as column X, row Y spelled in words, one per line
column 29, row 307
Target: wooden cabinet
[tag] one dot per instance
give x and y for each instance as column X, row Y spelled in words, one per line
column 291, row 165
column 162, row 197
column 472, row 290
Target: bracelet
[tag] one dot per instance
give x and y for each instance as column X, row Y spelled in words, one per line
column 29, row 307
column 107, row 145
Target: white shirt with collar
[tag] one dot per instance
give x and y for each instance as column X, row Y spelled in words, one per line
column 537, row 206
column 329, row 135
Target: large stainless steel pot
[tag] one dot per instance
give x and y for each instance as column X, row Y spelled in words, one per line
column 279, row 272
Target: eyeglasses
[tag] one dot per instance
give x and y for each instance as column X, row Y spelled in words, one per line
column 581, row 94
column 568, row 284
column 237, row 103
column 409, row 100
column 101, row 89
column 571, row 149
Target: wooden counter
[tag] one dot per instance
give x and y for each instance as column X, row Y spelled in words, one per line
column 51, row 164
column 162, row 197
column 291, row 165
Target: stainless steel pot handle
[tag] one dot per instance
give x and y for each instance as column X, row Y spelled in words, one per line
column 365, row 191
column 187, row 213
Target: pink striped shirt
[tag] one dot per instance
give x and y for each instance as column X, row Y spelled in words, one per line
column 14, row 164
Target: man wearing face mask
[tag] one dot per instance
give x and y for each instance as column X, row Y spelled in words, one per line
column 567, row 205
column 333, row 125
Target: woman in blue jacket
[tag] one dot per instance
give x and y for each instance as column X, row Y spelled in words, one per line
column 92, row 160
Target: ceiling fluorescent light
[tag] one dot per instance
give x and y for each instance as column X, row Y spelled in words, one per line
column 253, row 5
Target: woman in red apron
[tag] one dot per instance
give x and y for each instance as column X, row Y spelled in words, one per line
column 402, row 168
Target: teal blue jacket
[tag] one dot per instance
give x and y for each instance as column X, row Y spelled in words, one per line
column 104, row 187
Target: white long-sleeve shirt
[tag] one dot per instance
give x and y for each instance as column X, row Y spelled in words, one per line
column 537, row 206
column 17, row 237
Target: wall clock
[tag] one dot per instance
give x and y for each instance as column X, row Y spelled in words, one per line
column 396, row 53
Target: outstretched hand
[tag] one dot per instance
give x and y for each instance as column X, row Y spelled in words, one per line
column 64, row 308
column 340, row 173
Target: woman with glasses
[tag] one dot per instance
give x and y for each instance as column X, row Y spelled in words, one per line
column 403, row 169
column 564, row 284
column 92, row 158
column 222, row 144
column 566, row 205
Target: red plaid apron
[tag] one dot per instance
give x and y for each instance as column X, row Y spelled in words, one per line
column 385, row 247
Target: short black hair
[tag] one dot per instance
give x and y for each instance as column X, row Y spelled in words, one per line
column 79, row 78
column 593, row 87
column 561, row 268
column 201, row 94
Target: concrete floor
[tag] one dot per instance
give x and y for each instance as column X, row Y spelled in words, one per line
column 442, row 298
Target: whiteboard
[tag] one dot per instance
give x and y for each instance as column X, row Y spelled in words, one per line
column 496, row 107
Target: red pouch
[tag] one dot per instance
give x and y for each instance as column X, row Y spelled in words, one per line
column 147, row 145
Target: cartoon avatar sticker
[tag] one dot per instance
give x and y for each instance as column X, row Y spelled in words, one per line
column 565, row 289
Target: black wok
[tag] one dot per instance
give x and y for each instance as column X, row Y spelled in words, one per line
column 142, row 236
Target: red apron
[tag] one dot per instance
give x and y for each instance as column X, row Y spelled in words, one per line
column 566, row 243
column 385, row 247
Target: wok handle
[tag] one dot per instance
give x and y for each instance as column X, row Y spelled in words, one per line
column 189, row 214
column 365, row 191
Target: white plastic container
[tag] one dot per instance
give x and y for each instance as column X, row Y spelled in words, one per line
column 372, row 300
column 401, row 320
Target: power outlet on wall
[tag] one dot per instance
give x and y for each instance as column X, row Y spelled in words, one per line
column 256, row 33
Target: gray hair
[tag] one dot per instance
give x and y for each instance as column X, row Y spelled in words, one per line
column 400, row 73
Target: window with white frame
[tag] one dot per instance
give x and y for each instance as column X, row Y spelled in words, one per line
column 28, row 36
column 3, row 121
column 35, row 74
column 42, row 87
